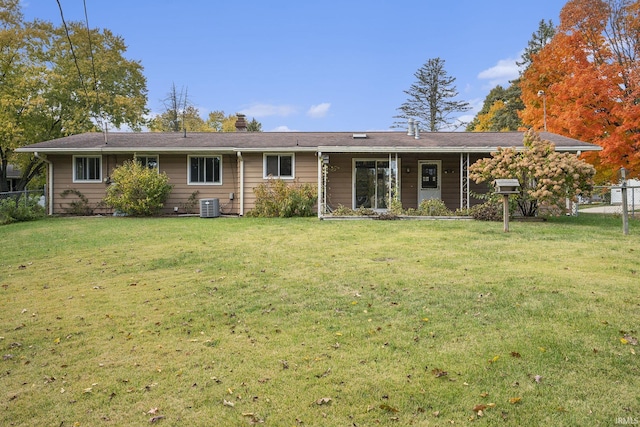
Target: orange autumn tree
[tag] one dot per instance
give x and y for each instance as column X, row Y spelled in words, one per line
column 590, row 76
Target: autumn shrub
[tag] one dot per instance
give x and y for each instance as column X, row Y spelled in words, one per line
column 396, row 207
column 21, row 208
column 547, row 177
column 277, row 198
column 490, row 210
column 137, row 190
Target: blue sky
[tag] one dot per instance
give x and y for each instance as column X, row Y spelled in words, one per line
column 329, row 65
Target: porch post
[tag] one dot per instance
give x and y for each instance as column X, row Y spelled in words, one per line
column 397, row 189
column 464, row 180
column 389, row 185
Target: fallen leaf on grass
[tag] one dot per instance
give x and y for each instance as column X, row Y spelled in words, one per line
column 628, row 339
column 495, row 359
column 225, row 402
column 388, row 408
column 479, row 408
column 537, row 378
column 156, row 419
column 153, row 411
column 515, row 400
column 515, row 354
column 253, row 418
column 437, row 372
column 323, row 401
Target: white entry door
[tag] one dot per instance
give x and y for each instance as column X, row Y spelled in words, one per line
column 430, row 179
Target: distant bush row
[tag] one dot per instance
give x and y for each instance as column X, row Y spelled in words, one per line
column 488, row 211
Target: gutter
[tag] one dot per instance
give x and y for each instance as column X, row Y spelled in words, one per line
column 49, row 181
column 464, row 149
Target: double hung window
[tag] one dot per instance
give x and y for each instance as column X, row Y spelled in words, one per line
column 205, row 170
column 278, row 165
column 87, row 168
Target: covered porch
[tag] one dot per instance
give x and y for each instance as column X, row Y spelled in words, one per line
column 373, row 179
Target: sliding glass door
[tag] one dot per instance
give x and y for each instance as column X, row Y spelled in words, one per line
column 371, row 184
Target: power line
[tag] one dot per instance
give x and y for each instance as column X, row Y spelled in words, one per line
column 73, row 53
column 93, row 65
column 98, row 118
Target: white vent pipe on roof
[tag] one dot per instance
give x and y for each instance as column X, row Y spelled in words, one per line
column 417, row 130
column 410, row 127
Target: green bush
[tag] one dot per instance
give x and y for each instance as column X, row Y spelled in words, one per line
column 21, row 208
column 137, row 190
column 490, row 210
column 433, row 207
column 276, row 198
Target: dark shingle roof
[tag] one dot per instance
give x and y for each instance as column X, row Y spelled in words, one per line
column 482, row 142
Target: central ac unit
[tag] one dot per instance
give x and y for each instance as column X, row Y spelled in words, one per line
column 209, row 208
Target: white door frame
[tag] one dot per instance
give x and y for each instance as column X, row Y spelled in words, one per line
column 429, row 192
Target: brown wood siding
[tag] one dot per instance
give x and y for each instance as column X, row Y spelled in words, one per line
column 306, row 171
column 339, row 180
column 477, row 188
column 63, row 180
column 174, row 165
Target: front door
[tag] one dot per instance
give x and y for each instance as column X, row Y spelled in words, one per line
column 430, row 178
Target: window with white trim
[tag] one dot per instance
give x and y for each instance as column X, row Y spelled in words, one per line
column 279, row 165
column 87, row 168
column 150, row 162
column 205, row 170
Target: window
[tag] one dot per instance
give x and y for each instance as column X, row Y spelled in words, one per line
column 148, row 161
column 205, row 170
column 87, row 169
column 278, row 165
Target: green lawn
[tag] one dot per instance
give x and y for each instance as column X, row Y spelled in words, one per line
column 301, row 322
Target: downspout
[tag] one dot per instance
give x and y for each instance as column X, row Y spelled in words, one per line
column 321, row 196
column 241, row 160
column 49, row 181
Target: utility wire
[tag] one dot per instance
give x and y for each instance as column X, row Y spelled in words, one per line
column 93, row 64
column 75, row 61
column 73, row 53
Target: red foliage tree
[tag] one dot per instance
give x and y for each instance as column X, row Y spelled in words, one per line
column 590, row 76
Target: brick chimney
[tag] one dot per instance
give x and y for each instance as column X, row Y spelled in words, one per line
column 241, row 123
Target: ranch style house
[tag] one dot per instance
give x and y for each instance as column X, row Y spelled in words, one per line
column 355, row 170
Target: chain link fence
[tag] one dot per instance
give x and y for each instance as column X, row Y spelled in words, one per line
column 26, row 196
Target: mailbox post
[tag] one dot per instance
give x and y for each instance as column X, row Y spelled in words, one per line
column 506, row 187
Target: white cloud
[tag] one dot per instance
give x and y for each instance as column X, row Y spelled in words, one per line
column 265, row 110
column 282, row 129
column 501, row 73
column 319, row 111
